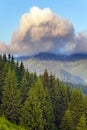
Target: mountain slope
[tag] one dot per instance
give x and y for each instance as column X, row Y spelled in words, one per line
column 71, row 69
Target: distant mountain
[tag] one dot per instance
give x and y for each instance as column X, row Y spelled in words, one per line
column 72, row 69
column 50, row 56
column 22, row 58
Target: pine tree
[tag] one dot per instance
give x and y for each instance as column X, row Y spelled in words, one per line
column 45, row 79
column 82, row 125
column 12, row 59
column 3, row 71
column 31, row 114
column 1, row 78
column 4, row 58
column 24, row 87
column 37, row 113
column 53, row 93
column 85, row 105
column 32, row 78
column 21, row 70
column 0, row 57
column 11, row 97
column 12, row 63
column 59, row 97
column 76, row 105
column 67, row 121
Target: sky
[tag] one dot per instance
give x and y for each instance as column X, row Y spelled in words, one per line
column 13, row 33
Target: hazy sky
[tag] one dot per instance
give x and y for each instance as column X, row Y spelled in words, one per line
column 11, row 12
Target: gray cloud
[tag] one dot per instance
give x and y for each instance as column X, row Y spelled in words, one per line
column 43, row 31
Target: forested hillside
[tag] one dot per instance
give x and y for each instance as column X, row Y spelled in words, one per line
column 31, row 102
column 71, row 69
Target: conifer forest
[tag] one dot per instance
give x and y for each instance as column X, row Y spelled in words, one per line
column 32, row 102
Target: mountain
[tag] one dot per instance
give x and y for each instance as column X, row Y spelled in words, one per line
column 71, row 69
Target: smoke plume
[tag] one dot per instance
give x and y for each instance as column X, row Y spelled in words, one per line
column 41, row 30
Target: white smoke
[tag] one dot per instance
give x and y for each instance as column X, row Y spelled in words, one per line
column 43, row 31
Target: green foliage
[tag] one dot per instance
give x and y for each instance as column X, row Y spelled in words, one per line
column 37, row 112
column 45, row 79
column 11, row 101
column 4, row 58
column 82, row 125
column 38, row 103
column 85, row 105
column 21, row 71
column 31, row 115
column 24, row 87
column 62, row 100
column 67, row 121
column 6, row 125
column 76, row 105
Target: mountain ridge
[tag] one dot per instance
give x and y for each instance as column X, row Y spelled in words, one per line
column 48, row 56
column 71, row 68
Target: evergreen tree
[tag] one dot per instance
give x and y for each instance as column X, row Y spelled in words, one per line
column 82, row 125
column 35, row 76
column 6, row 125
column 3, row 71
column 11, row 97
column 45, row 79
column 54, row 96
column 31, row 114
column 4, row 58
column 21, row 71
column 0, row 57
column 1, row 78
column 62, row 100
column 67, row 121
column 17, row 69
column 32, row 78
column 24, row 87
column 76, row 105
column 12, row 59
column 85, row 105
column 12, row 63
column 37, row 111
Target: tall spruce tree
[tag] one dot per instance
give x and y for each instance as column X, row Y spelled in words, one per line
column 82, row 124
column 21, row 71
column 4, row 58
column 63, row 100
column 54, row 95
column 24, row 86
column 31, row 114
column 3, row 71
column 85, row 105
column 67, row 121
column 45, row 79
column 11, row 97
column 37, row 112
column 76, row 105
column 1, row 78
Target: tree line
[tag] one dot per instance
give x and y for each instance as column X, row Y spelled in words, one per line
column 39, row 102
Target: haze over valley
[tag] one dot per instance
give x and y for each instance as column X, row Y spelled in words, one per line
column 72, row 69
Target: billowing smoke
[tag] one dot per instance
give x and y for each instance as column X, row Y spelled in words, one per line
column 4, row 48
column 81, row 43
column 43, row 31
